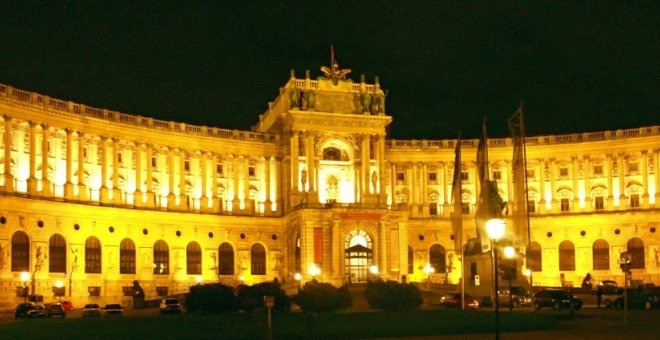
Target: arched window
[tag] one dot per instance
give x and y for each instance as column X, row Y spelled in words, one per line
column 636, row 251
column 92, row 256
column 437, row 258
column 601, row 255
column 534, row 259
column 566, row 256
column 298, row 256
column 57, row 254
column 127, row 256
column 258, row 259
column 161, row 258
column 226, row 261
column 20, row 252
column 194, row 258
column 411, row 260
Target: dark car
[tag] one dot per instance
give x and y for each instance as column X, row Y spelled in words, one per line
column 517, row 296
column 170, row 306
column 91, row 310
column 113, row 309
column 454, row 301
column 643, row 298
column 38, row 311
column 22, row 310
column 556, row 299
column 55, row 310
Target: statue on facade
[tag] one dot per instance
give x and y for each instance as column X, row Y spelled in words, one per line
column 308, row 100
column 366, row 103
column 294, row 98
column 333, row 72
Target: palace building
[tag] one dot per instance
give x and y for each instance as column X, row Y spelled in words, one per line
column 92, row 199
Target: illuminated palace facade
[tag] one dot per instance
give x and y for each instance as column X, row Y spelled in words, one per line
column 93, row 199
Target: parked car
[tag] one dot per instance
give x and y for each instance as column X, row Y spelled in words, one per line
column 519, row 296
column 609, row 287
column 91, row 310
column 38, row 311
column 170, row 306
column 644, row 298
column 22, row 309
column 55, row 310
column 67, row 305
column 113, row 309
column 556, row 299
column 454, row 301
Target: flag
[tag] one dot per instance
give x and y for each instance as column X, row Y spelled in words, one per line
column 490, row 204
column 519, row 214
column 456, row 201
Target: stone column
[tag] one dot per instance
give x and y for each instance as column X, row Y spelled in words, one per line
column 249, row 205
column 171, row 198
column 68, row 185
column 309, row 154
column 82, row 188
column 364, row 173
column 542, row 201
column 9, row 178
column 268, row 204
column 576, row 188
column 425, row 189
column 139, row 194
column 105, row 191
column 204, row 201
column 610, row 185
column 414, row 197
column 393, row 183
column 645, row 178
column 382, row 253
column 381, row 167
column 150, row 175
column 337, row 248
column 445, row 189
column 622, row 182
column 116, row 192
column 294, row 162
column 217, row 204
column 553, row 185
column 32, row 180
column 656, row 167
column 183, row 197
column 235, row 173
column 588, row 201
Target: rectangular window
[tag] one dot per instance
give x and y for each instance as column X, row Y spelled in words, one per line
column 633, row 167
column 531, row 206
column 530, row 173
column 119, row 157
column 154, row 162
column 634, row 201
column 565, row 205
column 400, row 177
column 497, row 175
column 85, row 151
column 128, row 291
column 563, row 172
column 598, row 170
column 162, row 291
column 218, row 168
column 464, row 176
column 433, row 209
column 186, row 165
column 599, row 203
column 433, row 177
column 465, row 207
column 252, row 171
column 473, row 270
column 94, row 291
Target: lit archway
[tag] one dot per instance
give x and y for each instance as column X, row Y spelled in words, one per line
column 358, row 254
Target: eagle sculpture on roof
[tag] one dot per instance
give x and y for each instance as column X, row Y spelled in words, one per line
column 333, row 72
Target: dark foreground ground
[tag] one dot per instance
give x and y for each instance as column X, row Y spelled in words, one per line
column 589, row 323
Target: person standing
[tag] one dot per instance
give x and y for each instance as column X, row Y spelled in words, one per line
column 599, row 296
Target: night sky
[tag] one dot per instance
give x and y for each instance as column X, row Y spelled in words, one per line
column 446, row 65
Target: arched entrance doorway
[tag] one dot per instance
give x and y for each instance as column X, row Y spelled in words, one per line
column 358, row 255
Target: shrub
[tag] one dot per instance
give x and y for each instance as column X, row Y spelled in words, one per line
column 322, row 297
column 211, row 299
column 393, row 296
column 251, row 297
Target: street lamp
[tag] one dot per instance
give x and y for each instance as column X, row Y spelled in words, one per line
column 298, row 278
column 509, row 253
column 198, row 279
column 314, row 271
column 495, row 228
column 58, row 290
column 374, row 271
column 25, row 277
column 428, row 270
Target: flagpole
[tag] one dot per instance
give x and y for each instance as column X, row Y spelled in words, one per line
column 524, row 152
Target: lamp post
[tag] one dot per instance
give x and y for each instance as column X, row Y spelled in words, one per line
column 428, row 270
column 374, row 271
column 509, row 253
column 59, row 289
column 298, row 278
column 25, row 277
column 198, row 280
column 495, row 228
column 314, row 271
